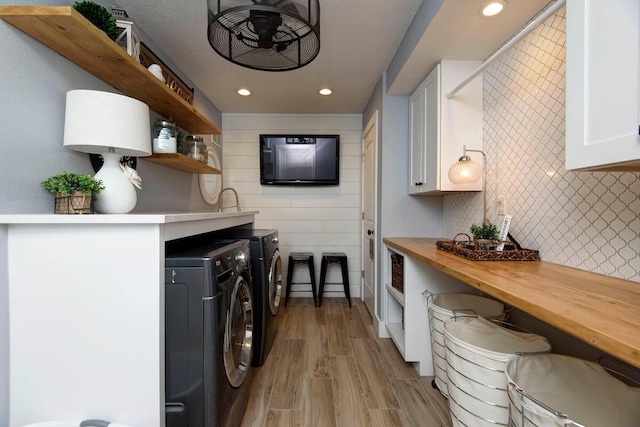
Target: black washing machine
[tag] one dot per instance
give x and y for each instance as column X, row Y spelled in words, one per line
column 208, row 334
column 266, row 272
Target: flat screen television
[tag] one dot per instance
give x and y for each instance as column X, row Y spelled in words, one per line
column 299, row 159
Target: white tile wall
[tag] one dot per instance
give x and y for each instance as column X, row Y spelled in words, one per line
column 308, row 219
column 587, row 220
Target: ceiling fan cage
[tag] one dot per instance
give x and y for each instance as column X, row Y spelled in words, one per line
column 269, row 35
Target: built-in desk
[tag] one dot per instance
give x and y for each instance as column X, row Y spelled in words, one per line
column 86, row 313
column 600, row 310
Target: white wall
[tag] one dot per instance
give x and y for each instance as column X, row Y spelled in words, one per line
column 399, row 214
column 586, row 220
column 308, row 218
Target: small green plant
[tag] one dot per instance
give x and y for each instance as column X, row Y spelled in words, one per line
column 98, row 16
column 66, row 183
column 485, row 231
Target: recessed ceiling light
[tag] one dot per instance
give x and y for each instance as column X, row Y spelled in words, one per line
column 493, row 8
column 325, row 91
column 244, row 92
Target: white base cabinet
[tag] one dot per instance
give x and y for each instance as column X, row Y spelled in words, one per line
column 406, row 317
column 440, row 127
column 86, row 313
column 603, row 90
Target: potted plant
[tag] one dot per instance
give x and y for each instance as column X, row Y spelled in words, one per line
column 485, row 235
column 74, row 191
column 98, row 16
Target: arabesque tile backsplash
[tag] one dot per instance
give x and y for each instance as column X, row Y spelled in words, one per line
column 587, row 220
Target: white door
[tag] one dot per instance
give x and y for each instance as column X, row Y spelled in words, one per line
column 369, row 205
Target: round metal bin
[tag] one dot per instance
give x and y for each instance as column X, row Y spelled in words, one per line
column 442, row 307
column 552, row 390
column 85, row 423
column 477, row 351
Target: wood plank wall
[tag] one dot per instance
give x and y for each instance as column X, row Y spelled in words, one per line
column 308, row 219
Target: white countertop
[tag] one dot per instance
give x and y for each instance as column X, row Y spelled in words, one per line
column 133, row 218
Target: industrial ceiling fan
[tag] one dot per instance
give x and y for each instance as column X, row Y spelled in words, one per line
column 269, row 35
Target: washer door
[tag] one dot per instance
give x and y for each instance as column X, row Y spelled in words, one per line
column 238, row 334
column 275, row 282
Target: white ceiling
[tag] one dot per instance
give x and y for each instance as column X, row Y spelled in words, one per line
column 359, row 38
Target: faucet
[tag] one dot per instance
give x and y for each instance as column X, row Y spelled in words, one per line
column 237, row 205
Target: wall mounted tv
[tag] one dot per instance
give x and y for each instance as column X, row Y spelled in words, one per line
column 299, row 159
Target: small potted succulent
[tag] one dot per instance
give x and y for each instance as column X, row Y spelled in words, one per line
column 485, row 235
column 74, row 191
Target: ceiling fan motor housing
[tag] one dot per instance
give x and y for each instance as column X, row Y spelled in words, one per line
column 265, row 25
column 269, row 35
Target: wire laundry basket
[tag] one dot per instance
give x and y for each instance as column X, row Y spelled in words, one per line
column 477, row 351
column 552, row 390
column 442, row 307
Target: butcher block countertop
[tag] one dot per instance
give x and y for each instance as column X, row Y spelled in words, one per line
column 600, row 310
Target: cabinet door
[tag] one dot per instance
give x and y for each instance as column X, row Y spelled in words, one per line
column 603, row 113
column 416, row 140
column 432, row 131
column 424, row 134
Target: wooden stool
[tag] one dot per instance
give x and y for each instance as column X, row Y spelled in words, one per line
column 334, row 258
column 301, row 258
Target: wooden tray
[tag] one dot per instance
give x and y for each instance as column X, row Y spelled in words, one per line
column 467, row 249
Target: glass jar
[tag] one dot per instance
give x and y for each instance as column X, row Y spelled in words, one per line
column 195, row 148
column 165, row 137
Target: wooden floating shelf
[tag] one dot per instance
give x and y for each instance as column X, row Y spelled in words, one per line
column 67, row 32
column 182, row 162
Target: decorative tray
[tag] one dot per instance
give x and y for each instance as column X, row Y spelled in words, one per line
column 477, row 252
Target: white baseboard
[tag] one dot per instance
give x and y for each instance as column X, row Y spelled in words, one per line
column 382, row 330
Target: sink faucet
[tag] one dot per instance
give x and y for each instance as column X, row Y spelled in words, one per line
column 237, row 205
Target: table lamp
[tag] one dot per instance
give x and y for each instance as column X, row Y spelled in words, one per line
column 113, row 126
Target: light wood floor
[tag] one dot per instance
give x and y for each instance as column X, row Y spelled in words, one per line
column 328, row 368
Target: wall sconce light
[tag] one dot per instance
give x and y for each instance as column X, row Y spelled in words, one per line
column 466, row 171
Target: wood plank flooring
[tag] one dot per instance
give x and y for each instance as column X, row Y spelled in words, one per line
column 328, row 368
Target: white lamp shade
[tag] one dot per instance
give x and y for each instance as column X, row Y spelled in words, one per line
column 96, row 121
column 465, row 172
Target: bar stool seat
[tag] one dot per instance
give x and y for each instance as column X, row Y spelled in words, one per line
column 296, row 258
column 334, row 258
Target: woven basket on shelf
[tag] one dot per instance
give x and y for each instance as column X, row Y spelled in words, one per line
column 470, row 250
column 397, row 273
column 76, row 203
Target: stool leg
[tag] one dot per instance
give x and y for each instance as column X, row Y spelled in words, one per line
column 323, row 275
column 345, row 281
column 312, row 274
column 289, row 277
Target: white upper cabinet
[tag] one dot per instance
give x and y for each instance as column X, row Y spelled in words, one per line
column 603, row 90
column 424, row 116
column 440, row 127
